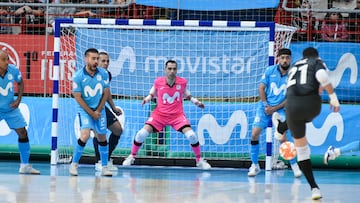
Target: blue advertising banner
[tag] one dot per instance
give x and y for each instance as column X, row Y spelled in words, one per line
column 342, row 60
column 211, row 5
column 222, row 128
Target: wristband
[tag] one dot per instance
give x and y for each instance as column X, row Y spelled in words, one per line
column 334, row 100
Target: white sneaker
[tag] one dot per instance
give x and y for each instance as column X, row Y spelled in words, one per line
column 296, row 170
column 129, row 160
column 278, row 164
column 111, row 165
column 106, row 171
column 315, row 194
column 28, row 169
column 98, row 166
column 254, row 170
column 73, row 170
column 329, row 154
column 203, row 164
column 276, row 118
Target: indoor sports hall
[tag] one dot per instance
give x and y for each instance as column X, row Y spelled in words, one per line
column 222, row 50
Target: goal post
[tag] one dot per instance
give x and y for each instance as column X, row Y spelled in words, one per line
column 223, row 62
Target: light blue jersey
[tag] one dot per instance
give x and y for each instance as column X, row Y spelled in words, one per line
column 275, row 85
column 91, row 87
column 12, row 76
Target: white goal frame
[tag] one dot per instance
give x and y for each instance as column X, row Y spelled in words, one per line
column 273, row 46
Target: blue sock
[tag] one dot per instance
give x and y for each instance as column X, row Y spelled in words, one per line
column 104, row 152
column 351, row 147
column 255, row 153
column 24, row 148
column 77, row 153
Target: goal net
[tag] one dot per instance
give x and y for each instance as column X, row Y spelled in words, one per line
column 223, row 62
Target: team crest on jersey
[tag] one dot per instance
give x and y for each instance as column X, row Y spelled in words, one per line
column 178, row 87
column 10, row 77
column 98, row 77
column 74, row 85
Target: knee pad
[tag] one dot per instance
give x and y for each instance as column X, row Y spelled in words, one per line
column 191, row 136
column 303, row 153
column 141, row 135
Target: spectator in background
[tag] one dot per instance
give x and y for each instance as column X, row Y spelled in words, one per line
column 5, row 18
column 31, row 16
column 102, row 12
column 354, row 22
column 303, row 21
column 121, row 11
column 333, row 28
column 64, row 12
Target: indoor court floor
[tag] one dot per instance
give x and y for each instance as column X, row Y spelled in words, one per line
column 152, row 184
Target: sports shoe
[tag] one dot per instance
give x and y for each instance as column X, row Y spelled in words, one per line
column 106, row 171
column 276, row 119
column 296, row 170
column 73, row 170
column 254, row 170
column 329, row 155
column 278, row 164
column 129, row 160
column 98, row 166
column 28, row 169
column 203, row 164
column 111, row 165
column 315, row 193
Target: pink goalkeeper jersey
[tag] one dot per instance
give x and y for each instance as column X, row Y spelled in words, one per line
column 170, row 99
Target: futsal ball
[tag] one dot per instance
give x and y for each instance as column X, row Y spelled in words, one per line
column 287, row 150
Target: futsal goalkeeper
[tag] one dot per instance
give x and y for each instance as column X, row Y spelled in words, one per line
column 170, row 91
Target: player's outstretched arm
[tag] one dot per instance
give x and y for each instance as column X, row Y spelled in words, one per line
column 149, row 97
column 195, row 101
column 323, row 78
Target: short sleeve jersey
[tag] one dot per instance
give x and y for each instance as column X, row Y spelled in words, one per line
column 91, row 87
column 275, row 85
column 7, row 82
column 170, row 98
column 302, row 80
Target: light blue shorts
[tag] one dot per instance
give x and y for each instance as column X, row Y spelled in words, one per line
column 262, row 120
column 14, row 119
column 87, row 122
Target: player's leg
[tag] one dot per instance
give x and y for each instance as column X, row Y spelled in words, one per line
column 195, row 145
column 140, row 137
column 332, row 153
column 16, row 121
column 116, row 131
column 100, row 133
column 297, row 115
column 254, row 152
column 278, row 118
column 81, row 142
column 260, row 122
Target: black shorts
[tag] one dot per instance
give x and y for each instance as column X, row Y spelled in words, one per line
column 110, row 117
column 301, row 110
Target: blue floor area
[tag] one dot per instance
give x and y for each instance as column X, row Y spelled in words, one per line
column 171, row 184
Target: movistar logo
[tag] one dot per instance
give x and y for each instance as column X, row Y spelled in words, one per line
column 8, row 88
column 221, row 134
column 278, row 90
column 126, row 54
column 347, row 61
column 167, row 98
column 318, row 135
column 89, row 92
